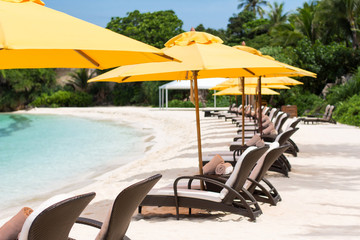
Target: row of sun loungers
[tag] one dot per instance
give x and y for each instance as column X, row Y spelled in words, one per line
column 240, row 191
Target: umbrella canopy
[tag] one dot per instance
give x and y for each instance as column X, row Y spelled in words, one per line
column 233, row 82
column 296, row 71
column 34, row 36
column 248, row 91
column 203, row 56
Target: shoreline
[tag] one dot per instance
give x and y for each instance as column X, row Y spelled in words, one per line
column 319, row 197
column 79, row 181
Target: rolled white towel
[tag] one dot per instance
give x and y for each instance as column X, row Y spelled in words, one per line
column 224, row 168
column 260, row 143
column 268, row 130
column 209, row 168
column 253, row 140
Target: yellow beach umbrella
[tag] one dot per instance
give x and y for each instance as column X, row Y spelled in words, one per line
column 203, row 56
column 34, row 36
column 248, row 91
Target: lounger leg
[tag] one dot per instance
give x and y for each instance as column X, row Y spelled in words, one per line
column 285, row 161
column 139, row 209
column 294, row 144
column 280, row 167
column 263, row 195
column 248, row 204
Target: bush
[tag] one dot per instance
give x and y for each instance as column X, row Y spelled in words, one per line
column 348, row 112
column 342, row 92
column 182, row 104
column 63, row 99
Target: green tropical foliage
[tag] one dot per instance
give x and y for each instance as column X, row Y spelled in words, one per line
column 154, row 28
column 18, row 87
column 348, row 112
column 80, row 77
column 63, row 99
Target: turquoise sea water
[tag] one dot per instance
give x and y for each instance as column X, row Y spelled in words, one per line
column 41, row 153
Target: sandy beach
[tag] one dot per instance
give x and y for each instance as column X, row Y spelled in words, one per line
column 320, row 197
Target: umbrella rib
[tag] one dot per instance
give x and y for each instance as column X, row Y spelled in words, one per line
column 167, row 57
column 125, row 78
column 87, row 57
column 249, row 71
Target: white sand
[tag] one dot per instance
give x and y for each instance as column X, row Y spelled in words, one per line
column 320, row 197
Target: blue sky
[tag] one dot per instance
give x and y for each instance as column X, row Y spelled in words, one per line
column 211, row 13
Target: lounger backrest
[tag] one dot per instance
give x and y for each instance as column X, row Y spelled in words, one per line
column 277, row 118
column 231, row 106
column 272, row 112
column 327, row 108
column 284, row 136
column 238, row 110
column 247, row 109
column 241, row 171
column 329, row 115
column 295, row 122
column 281, row 122
column 268, row 111
column 55, row 217
column 257, row 169
column 265, row 109
column 291, row 123
column 125, row 204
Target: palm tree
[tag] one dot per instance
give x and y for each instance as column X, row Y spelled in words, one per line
column 276, row 15
column 253, row 6
column 80, row 77
column 305, row 21
column 339, row 17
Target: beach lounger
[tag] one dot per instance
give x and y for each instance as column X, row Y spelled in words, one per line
column 228, row 199
column 327, row 117
column 54, row 218
column 123, row 208
column 262, row 193
column 216, row 113
column 292, row 123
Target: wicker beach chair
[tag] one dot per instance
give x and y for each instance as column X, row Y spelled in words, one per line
column 228, row 199
column 216, row 113
column 123, row 208
column 265, row 192
column 326, row 118
column 54, row 218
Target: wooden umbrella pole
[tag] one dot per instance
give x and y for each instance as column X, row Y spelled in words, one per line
column 195, row 73
column 243, row 111
column 259, row 105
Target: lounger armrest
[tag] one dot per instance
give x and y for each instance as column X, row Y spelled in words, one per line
column 198, row 177
column 206, row 180
column 89, row 222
